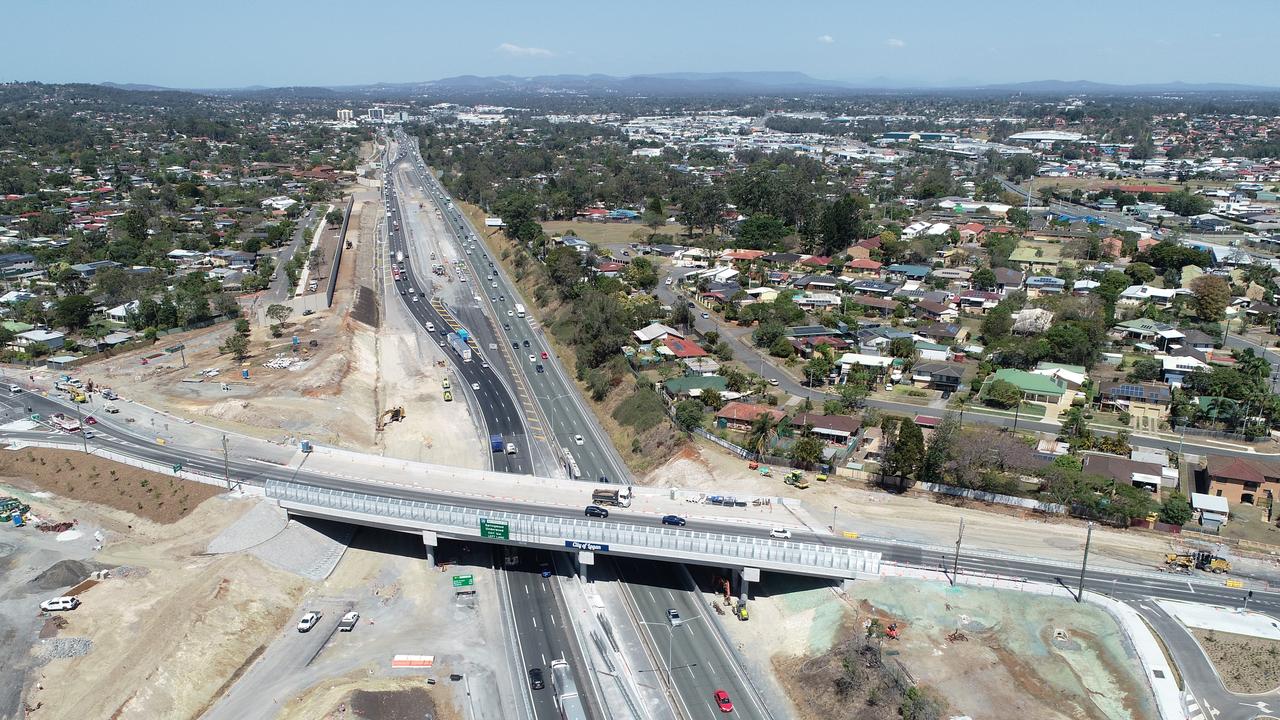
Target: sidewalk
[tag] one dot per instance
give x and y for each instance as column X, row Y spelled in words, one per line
column 1222, row 619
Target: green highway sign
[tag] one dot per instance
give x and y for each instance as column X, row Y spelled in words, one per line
column 464, row 580
column 175, row 348
column 494, row 530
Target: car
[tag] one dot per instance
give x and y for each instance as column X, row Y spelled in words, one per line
column 515, row 346
column 90, row 420
column 502, row 298
column 577, row 439
column 705, row 316
column 309, row 620
column 15, row 389
column 510, row 314
column 544, row 569
column 595, row 511
column 494, row 285
column 946, row 394
column 493, row 299
column 723, row 702
column 773, row 381
column 532, row 359
column 111, row 409
column 673, row 520
column 603, row 479
column 484, row 365
column 535, row 679
column 539, row 367
column 413, row 298
column 60, row 603
column 440, row 343
column 780, row 533
column 448, row 396
column 475, row 386
column 544, row 354
column 673, row 617
column 348, row 621
column 507, row 326
column 526, row 343
column 402, row 292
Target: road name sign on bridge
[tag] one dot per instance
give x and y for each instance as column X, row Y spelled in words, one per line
column 590, row 547
column 494, row 530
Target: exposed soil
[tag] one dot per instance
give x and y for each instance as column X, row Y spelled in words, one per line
column 360, row 697
column 71, row 474
column 1246, row 664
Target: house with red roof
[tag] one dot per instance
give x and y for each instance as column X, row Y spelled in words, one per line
column 743, row 255
column 863, row 267
column 740, row 415
column 682, row 348
column 816, row 261
column 1243, row 480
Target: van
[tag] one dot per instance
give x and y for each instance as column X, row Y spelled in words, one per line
column 511, row 448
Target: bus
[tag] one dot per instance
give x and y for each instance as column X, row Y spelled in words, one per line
column 566, row 691
column 570, row 464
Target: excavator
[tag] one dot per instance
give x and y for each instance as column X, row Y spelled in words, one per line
column 389, row 416
column 1199, row 560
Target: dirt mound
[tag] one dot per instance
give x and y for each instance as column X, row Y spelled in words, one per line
column 366, row 309
column 65, row 573
column 411, row 704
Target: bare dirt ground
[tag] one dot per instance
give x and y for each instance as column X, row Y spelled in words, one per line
column 915, row 516
column 169, row 626
column 358, row 698
column 365, row 359
column 979, row 652
column 1246, row 664
column 85, row 479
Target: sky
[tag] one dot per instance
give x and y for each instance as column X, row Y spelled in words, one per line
column 235, row 43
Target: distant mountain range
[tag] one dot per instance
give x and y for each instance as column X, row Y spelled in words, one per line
column 726, row 83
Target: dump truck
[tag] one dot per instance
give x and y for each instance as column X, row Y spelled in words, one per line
column 619, row 498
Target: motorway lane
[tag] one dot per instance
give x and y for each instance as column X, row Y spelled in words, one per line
column 540, row 623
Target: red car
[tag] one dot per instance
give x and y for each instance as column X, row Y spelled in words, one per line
column 544, row 354
column 91, row 420
column 722, row 700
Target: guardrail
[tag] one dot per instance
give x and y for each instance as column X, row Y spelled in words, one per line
column 715, row 549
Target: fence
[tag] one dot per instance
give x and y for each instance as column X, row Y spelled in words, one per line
column 337, row 254
column 995, row 498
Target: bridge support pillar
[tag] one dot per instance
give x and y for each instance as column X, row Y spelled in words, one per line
column 846, row 585
column 746, row 576
column 586, row 559
column 429, row 541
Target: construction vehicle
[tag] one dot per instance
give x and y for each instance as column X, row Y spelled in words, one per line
column 11, row 507
column 389, row 416
column 796, row 478
column 1199, row 560
column 619, row 498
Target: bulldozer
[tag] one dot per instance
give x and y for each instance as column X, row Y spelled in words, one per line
column 1199, row 560
column 796, row 478
column 389, row 416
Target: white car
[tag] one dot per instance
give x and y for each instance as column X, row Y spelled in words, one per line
column 60, row 603
column 348, row 621
column 780, row 533
column 475, row 386
column 309, row 620
column 511, row 313
column 15, row 389
column 533, row 359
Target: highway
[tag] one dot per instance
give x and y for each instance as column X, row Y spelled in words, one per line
column 567, row 416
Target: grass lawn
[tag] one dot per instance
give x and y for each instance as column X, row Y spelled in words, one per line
column 1250, row 523
column 608, row 233
column 1029, row 410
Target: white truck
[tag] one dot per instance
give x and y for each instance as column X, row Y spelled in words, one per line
column 519, row 310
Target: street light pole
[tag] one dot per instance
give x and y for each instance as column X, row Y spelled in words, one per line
column 226, row 470
column 833, row 518
column 1084, row 562
column 955, row 563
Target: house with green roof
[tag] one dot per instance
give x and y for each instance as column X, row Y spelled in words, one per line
column 1035, row 259
column 16, row 327
column 1044, row 390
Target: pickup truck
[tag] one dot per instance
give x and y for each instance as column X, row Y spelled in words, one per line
column 348, row 621
column 309, row 620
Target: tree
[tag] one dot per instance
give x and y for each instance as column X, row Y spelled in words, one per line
column 760, row 232
column 242, row 326
column 984, row 279
column 782, row 348
column 843, row 222
column 763, row 430
column 1003, row 394
column 938, row 451
column 237, row 345
column 689, row 414
column 642, row 274
column 818, row 367
column 902, row 347
column 1175, row 510
column 73, row 311
column 1210, row 295
column 806, row 450
column 1186, row 203
column 1140, row 272
column 997, row 324
column 279, row 312
column 905, row 458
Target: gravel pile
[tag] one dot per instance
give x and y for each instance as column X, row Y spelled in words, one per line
column 130, row 572
column 63, row 648
column 65, row 573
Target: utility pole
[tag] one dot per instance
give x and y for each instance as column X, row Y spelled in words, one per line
column 1085, row 562
column 1017, row 410
column 955, row 563
column 84, row 438
column 226, row 471
column 833, row 518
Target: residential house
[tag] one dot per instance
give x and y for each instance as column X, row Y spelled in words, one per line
column 654, row 331
column 1072, row 376
column 1148, row 476
column 1140, row 294
column 874, row 287
column 760, row 294
column 945, row 376
column 862, row 267
column 120, row 313
column 16, row 263
column 39, row 337
column 1034, row 260
column 875, row 364
column 88, row 270
column 818, row 283
column 907, row 272
column 935, row 311
column 1008, row 280
column 1157, row 335
column 1146, row 403
column 1243, row 480
column 950, row 333
column 1040, row 389
column 701, row 366
column 1198, row 339
column 932, row 351
column 740, row 415
column 881, row 306
column 1038, row 285
column 838, row 429
column 816, row 300
column 978, row 302
column 234, row 259
column 781, row 260
column 1174, row 368
column 956, row 277
column 679, row 347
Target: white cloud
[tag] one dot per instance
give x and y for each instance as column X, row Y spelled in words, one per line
column 826, row 39
column 521, row 51
column 895, row 43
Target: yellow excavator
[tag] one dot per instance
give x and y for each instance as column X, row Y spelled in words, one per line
column 1200, row 560
column 389, row 416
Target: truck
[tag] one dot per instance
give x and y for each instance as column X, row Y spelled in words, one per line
column 400, row 259
column 619, row 498
column 519, row 310
column 64, row 423
column 496, row 443
column 459, row 346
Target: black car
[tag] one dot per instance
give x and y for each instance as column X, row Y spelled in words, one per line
column 515, row 346
column 596, row 511
column 526, row 343
column 535, row 679
column 539, row 367
column 506, row 327
column 673, row 520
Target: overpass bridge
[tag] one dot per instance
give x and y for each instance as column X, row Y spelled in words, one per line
column 408, row 509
